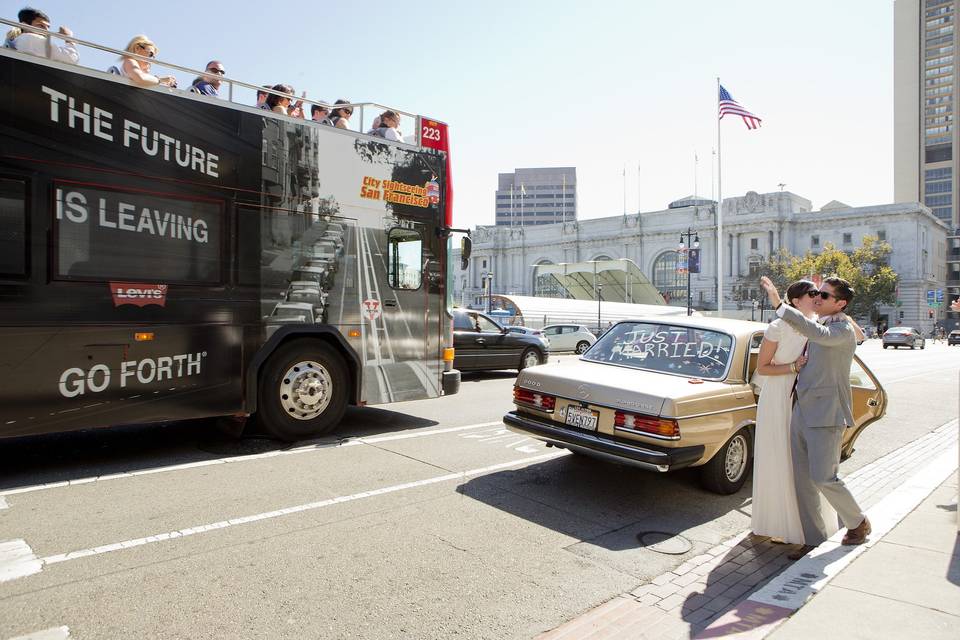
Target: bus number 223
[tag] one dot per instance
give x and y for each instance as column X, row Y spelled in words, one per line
column 431, row 133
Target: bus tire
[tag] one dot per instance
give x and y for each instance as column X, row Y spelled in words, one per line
column 303, row 390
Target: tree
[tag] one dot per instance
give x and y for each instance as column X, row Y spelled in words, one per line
column 867, row 269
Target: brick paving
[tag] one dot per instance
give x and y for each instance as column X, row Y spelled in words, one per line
column 684, row 601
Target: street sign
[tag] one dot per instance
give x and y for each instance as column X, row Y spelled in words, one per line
column 939, row 296
column 371, row 309
column 930, row 296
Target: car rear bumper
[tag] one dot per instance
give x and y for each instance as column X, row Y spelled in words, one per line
column 646, row 456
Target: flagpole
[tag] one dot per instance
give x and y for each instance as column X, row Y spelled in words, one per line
column 638, row 187
column 695, row 161
column 624, row 189
column 563, row 199
column 719, row 213
column 513, row 215
column 523, row 196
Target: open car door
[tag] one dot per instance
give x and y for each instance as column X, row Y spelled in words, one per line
column 869, row 404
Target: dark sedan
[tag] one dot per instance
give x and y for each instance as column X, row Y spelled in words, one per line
column 481, row 344
column 903, row 337
column 954, row 337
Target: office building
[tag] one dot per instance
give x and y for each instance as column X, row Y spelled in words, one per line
column 925, row 132
column 544, row 195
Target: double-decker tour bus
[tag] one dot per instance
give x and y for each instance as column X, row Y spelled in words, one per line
column 166, row 255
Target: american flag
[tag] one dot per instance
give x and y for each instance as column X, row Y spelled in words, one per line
column 731, row 106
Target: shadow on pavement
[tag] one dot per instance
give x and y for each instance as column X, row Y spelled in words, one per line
column 605, row 506
column 480, row 376
column 125, row 449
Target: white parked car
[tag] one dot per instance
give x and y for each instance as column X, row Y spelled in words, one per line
column 569, row 337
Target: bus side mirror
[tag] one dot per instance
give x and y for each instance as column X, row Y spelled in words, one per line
column 466, row 248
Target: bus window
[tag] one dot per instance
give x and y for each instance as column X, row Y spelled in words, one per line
column 13, row 227
column 405, row 258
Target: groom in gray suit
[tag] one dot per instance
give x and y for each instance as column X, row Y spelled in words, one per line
column 821, row 412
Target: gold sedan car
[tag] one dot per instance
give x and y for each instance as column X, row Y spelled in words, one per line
column 663, row 395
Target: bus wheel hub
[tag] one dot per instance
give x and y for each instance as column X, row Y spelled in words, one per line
column 305, row 390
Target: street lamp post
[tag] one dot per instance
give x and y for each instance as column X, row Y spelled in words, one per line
column 489, row 291
column 690, row 234
column 599, row 297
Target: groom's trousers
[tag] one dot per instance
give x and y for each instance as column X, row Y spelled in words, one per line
column 816, row 460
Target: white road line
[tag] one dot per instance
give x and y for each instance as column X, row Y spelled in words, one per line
column 3, row 503
column 53, row 633
column 234, row 459
column 267, row 515
column 17, row 560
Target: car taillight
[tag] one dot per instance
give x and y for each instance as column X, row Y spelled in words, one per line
column 534, row 399
column 647, row 424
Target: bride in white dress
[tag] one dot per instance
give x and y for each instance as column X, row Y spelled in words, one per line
column 775, row 511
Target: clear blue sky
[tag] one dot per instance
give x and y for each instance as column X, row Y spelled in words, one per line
column 594, row 85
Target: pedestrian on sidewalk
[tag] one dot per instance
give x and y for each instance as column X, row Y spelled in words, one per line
column 822, row 409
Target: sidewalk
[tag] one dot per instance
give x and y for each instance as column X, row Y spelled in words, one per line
column 905, row 586
column 747, row 588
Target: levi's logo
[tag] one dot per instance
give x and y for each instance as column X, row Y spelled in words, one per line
column 138, row 294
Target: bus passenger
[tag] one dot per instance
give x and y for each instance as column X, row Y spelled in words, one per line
column 138, row 72
column 39, row 45
column 262, row 98
column 320, row 113
column 296, row 109
column 209, row 83
column 341, row 115
column 389, row 123
column 277, row 103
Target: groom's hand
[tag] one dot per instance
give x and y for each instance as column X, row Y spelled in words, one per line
column 772, row 294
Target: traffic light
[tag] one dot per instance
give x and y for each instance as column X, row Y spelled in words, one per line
column 930, row 313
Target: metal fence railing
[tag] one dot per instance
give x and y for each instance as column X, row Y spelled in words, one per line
column 366, row 112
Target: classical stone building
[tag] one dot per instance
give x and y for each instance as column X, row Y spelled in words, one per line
column 754, row 226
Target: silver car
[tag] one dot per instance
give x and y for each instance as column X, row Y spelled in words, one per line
column 897, row 337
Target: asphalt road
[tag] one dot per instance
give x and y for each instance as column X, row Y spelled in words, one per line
column 423, row 520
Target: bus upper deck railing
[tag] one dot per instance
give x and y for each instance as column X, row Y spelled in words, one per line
column 367, row 111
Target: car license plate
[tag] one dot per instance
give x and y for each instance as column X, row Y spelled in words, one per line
column 582, row 418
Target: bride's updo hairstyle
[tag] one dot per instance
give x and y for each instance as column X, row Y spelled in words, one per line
column 799, row 289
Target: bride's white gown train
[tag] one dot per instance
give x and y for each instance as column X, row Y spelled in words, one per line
column 775, row 512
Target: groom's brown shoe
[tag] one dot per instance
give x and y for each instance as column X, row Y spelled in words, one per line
column 801, row 551
column 858, row 535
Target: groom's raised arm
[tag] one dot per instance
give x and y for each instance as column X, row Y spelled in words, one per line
column 829, row 334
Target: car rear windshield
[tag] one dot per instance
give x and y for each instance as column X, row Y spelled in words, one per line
column 900, row 330
column 685, row 351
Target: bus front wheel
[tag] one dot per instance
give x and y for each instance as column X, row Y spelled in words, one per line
column 303, row 390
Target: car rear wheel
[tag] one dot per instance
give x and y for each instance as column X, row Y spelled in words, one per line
column 885, row 346
column 530, row 358
column 582, row 346
column 303, row 390
column 727, row 470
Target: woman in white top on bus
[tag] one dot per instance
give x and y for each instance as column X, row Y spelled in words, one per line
column 138, row 71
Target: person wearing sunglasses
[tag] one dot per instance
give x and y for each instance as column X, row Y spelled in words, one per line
column 40, row 45
column 209, row 83
column 138, row 71
column 775, row 512
column 340, row 115
column 822, row 410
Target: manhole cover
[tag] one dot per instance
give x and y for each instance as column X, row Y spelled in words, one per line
column 664, row 542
